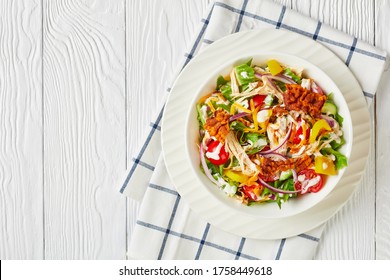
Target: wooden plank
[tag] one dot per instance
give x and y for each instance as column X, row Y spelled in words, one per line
column 21, row 183
column 84, row 129
column 382, row 40
column 350, row 234
column 353, row 17
column 158, row 34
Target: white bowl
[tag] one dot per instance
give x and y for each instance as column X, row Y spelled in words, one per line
column 266, row 210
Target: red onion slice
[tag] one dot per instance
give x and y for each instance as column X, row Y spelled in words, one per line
column 295, row 176
column 275, row 155
column 237, row 116
column 205, row 167
column 282, row 79
column 316, row 88
column 289, row 79
column 271, row 83
column 268, row 186
column 329, row 120
column 280, row 145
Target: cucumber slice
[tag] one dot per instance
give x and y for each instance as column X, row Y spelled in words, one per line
column 285, row 175
column 329, row 109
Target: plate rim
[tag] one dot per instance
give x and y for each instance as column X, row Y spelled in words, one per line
column 306, row 220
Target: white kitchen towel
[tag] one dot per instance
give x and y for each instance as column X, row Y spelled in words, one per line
column 166, row 228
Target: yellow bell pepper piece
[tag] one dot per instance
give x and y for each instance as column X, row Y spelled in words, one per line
column 274, row 67
column 318, row 126
column 238, row 106
column 324, row 165
column 236, row 176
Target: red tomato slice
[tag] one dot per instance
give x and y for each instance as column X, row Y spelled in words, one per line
column 258, row 100
column 298, row 138
column 248, row 191
column 223, row 156
column 268, row 177
column 308, row 175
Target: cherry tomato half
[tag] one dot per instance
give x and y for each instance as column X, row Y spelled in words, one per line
column 222, row 157
column 308, row 175
column 258, row 100
column 248, row 191
column 298, row 135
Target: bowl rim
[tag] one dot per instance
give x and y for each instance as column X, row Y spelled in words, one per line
column 290, row 208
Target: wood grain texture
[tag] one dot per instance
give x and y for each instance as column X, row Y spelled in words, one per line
column 84, row 129
column 350, row 234
column 382, row 39
column 158, row 34
column 353, row 17
column 21, row 215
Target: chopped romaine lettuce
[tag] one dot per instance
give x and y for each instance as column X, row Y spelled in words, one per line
column 245, row 74
column 292, row 75
column 341, row 160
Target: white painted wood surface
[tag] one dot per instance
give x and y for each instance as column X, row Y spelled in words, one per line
column 79, row 83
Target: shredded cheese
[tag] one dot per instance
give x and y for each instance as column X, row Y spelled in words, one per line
column 238, row 106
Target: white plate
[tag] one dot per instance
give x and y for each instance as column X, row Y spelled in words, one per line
column 219, row 212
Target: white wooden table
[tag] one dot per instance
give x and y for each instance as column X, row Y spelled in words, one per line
column 79, row 82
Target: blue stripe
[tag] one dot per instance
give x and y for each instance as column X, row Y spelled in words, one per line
column 144, row 164
column 351, row 50
column 207, row 41
column 257, row 17
column 163, row 189
column 370, row 54
column 367, row 94
column 198, row 38
column 242, row 242
column 173, row 214
column 242, row 11
column 194, row 239
column 296, row 30
column 282, row 242
column 230, row 251
column 281, row 17
column 140, row 154
column 309, row 237
column 205, row 20
column 206, row 231
column 305, row 33
column 332, row 42
column 315, row 35
column 155, row 126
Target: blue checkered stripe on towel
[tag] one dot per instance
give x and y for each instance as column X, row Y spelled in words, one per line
column 173, row 231
column 143, row 181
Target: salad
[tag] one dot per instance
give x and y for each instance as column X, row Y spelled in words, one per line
column 268, row 134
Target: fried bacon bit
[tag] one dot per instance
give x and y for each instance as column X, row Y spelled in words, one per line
column 303, row 163
column 269, row 168
column 218, row 126
column 279, row 111
column 298, row 98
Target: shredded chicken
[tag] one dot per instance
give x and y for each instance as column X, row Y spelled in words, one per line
column 265, row 87
column 233, row 147
column 234, row 83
